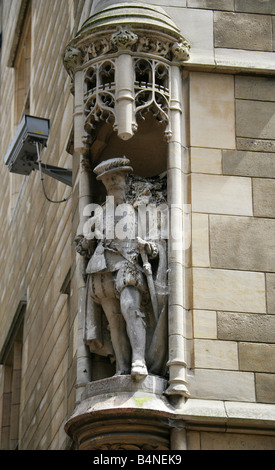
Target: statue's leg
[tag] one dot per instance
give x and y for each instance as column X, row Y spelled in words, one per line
column 118, row 334
column 130, row 301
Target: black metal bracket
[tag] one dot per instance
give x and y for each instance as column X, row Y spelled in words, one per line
column 63, row 175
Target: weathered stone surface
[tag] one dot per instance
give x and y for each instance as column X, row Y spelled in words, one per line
column 255, row 119
column 238, row 291
column 255, row 6
column 125, row 384
column 200, row 240
column 265, row 388
column 222, row 385
column 232, row 413
column 255, row 413
column 205, row 324
column 256, row 145
column 246, row 327
column 255, row 88
column 193, row 440
column 204, row 160
column 250, row 245
column 212, row 114
column 264, row 197
column 240, row 163
column 245, row 60
column 270, row 292
column 221, row 194
column 197, row 26
column 243, row 31
column 213, row 354
column 236, row 441
column 257, row 357
column 98, row 5
column 227, row 5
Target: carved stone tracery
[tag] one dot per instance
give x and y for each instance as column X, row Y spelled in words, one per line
column 150, row 93
column 99, row 98
column 152, row 88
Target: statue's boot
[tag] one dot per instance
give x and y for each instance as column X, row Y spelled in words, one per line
column 139, row 369
column 121, row 344
column 130, row 300
column 137, row 335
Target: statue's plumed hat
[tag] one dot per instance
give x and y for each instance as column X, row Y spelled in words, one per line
column 112, row 165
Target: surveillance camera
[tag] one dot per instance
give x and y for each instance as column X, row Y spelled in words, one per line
column 22, row 152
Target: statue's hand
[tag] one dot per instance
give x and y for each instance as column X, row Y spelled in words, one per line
column 148, row 247
column 81, row 245
column 152, row 250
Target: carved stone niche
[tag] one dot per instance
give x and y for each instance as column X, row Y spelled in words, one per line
column 125, row 66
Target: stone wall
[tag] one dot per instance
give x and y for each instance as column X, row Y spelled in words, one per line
column 233, row 236
column 36, row 235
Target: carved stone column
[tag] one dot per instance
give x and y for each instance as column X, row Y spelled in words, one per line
column 177, row 361
column 120, row 74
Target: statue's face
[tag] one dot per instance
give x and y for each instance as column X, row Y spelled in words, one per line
column 115, row 184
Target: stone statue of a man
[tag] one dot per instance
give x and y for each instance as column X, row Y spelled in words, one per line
column 120, row 276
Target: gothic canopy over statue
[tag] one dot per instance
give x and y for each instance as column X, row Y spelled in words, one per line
column 138, row 27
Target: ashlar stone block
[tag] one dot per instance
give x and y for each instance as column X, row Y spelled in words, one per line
column 256, row 6
column 212, row 110
column 243, row 31
column 205, row 324
column 256, row 145
column 236, row 441
column 256, row 413
column 204, row 160
column 250, row 245
column 214, row 354
column 228, row 290
column 242, row 163
column 241, row 60
column 265, row 388
column 221, row 194
column 255, row 119
column 212, row 4
column 222, row 385
column 255, row 88
column 246, row 327
column 264, row 197
column 257, row 357
column 200, row 240
column 270, row 292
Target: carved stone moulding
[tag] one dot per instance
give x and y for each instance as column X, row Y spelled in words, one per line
column 134, row 40
column 119, row 413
